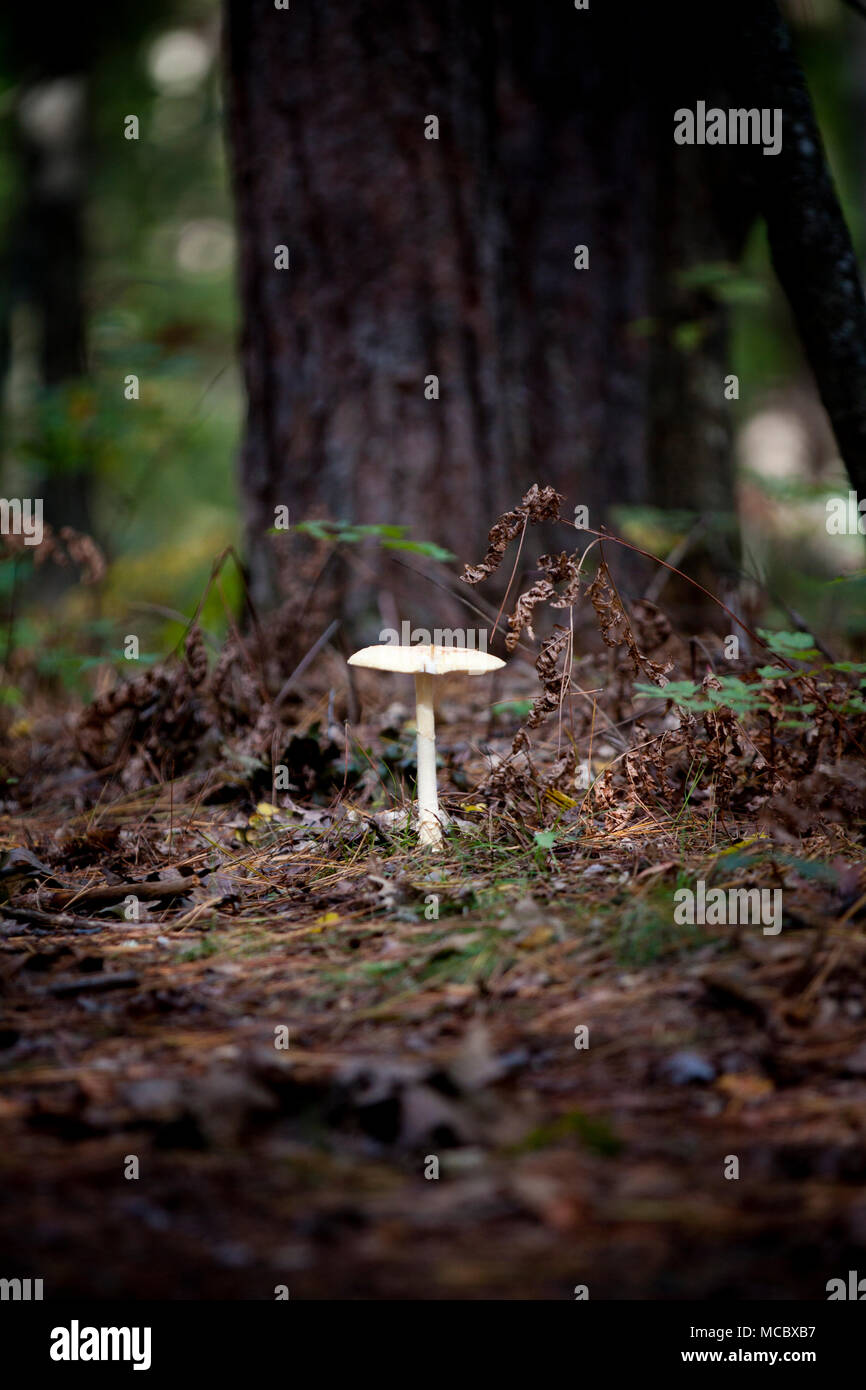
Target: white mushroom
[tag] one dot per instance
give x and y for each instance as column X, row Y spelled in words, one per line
column 424, row 662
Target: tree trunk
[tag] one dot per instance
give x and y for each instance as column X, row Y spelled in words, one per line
column 454, row 257
column 45, row 250
column 810, row 244
column 50, row 254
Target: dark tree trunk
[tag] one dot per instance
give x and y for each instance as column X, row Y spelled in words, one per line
column 50, row 261
column 45, row 251
column 454, row 257
column 809, row 242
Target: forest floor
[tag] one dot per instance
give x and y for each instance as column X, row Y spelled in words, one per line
column 257, row 1042
column 284, row 1041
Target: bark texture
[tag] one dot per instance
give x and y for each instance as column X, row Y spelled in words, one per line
column 809, row 241
column 412, row 257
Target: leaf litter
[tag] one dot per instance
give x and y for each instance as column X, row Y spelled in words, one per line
column 171, row 910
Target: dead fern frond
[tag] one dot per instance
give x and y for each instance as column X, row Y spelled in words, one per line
column 539, row 504
column 615, row 627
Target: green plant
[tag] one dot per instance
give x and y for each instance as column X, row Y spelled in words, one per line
column 744, row 697
column 389, row 537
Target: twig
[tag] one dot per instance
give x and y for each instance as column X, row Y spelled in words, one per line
column 63, row 921
column 679, row 553
column 305, row 660
column 118, row 979
column 116, row 892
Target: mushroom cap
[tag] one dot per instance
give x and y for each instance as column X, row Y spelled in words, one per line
column 427, row 658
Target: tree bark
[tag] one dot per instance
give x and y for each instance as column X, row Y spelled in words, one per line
column 49, row 251
column 809, row 241
column 455, row 257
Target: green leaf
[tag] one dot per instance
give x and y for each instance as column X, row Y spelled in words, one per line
column 545, row 839
column 724, row 283
column 775, row 673
column 390, row 537
column 435, row 552
column 316, row 529
column 797, row 646
column 678, row 691
column 737, row 695
column 519, row 707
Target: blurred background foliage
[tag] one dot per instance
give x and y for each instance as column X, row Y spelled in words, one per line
column 159, row 301
column 160, row 304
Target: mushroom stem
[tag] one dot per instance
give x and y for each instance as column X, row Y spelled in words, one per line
column 429, row 824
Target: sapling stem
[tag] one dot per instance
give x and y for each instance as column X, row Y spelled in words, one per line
column 429, row 824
